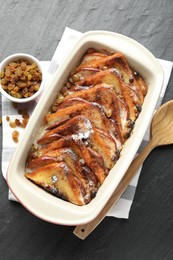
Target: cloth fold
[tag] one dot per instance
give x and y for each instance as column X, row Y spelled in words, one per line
column 68, row 40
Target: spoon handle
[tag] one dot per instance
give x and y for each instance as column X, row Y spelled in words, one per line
column 84, row 230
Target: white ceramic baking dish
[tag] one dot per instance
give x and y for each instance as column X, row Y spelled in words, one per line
column 47, row 206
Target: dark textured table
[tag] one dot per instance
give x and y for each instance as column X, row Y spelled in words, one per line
column 36, row 27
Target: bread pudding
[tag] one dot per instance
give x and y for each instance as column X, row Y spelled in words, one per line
column 87, row 125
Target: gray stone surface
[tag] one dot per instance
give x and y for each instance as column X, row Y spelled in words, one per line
column 35, row 27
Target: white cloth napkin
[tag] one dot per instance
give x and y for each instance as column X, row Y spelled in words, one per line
column 69, row 37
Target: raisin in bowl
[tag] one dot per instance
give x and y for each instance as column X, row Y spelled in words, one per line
column 21, row 78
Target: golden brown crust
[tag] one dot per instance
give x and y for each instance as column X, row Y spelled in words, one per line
column 87, row 126
column 58, row 179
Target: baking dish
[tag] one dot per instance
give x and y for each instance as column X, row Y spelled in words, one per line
column 43, row 204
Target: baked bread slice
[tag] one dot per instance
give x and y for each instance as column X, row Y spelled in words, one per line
column 58, row 179
column 75, row 163
column 92, row 110
column 91, row 158
column 81, row 128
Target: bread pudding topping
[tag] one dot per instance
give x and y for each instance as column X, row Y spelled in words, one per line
column 86, row 127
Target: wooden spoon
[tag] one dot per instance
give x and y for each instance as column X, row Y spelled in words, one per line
column 161, row 134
